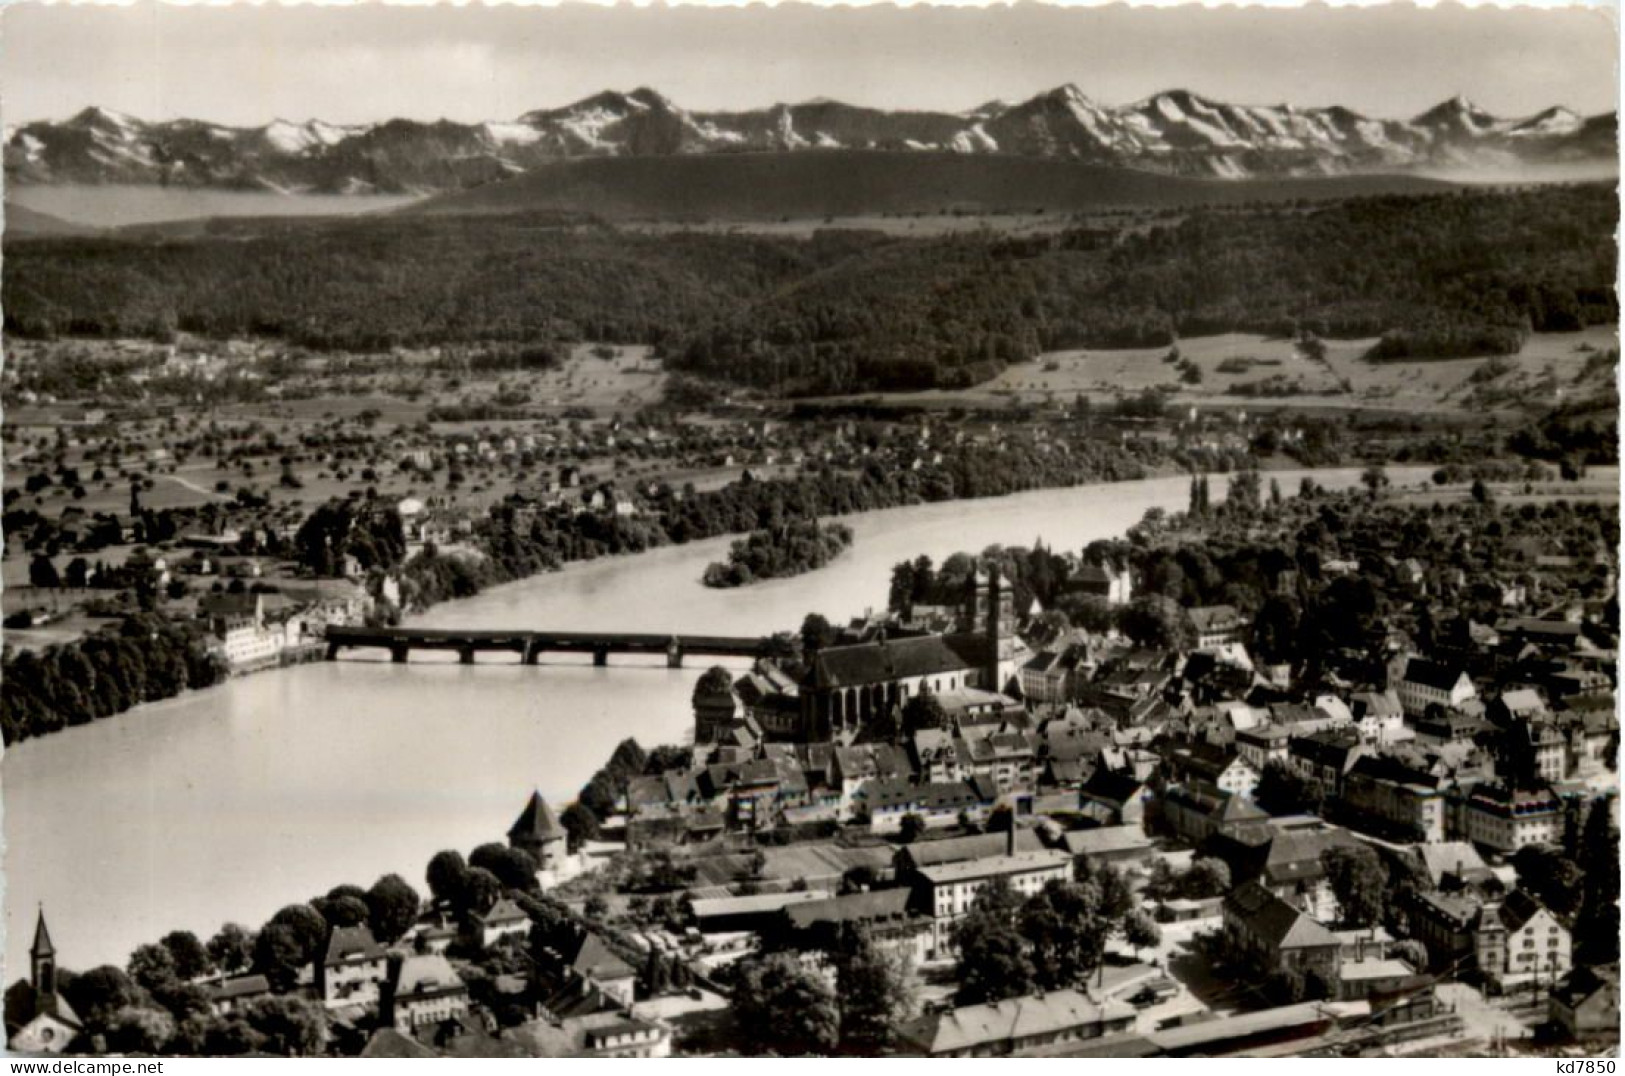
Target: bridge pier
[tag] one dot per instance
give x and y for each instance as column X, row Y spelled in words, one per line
column 600, row 656
column 531, row 653
column 332, row 651
column 465, row 655
column 398, row 652
column 674, row 655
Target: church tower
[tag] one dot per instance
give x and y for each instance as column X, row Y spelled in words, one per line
column 42, row 964
column 1000, row 628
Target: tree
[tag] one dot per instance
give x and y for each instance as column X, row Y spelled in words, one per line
column 481, row 890
column 1283, row 790
column 993, row 960
column 152, row 968
column 910, row 828
column 1140, row 930
column 1596, row 928
column 392, row 907
column 514, row 867
column 279, row 953
column 292, row 1026
column 139, row 1029
column 191, row 958
column 1481, row 492
column 580, row 824
column 1067, row 928
column 1207, row 877
column 924, row 711
column 99, row 993
column 784, row 1008
column 232, row 948
column 1375, row 479
column 447, row 875
column 816, row 633
column 309, row 929
column 42, row 572
column 1553, row 878
column 876, row 991
column 1155, row 620
column 1358, row 881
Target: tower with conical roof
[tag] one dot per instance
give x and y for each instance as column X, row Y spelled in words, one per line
column 42, row 961
column 537, row 831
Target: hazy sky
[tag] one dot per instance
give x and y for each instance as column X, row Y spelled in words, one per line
column 247, row 65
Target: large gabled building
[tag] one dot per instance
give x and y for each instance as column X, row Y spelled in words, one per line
column 846, row 687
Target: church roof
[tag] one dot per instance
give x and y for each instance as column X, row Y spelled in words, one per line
column 536, row 822
column 884, row 662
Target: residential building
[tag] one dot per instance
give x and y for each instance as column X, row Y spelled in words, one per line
column 1327, row 756
column 1196, row 812
column 1263, row 744
column 1420, row 683
column 1272, row 935
column 1519, row 940
column 505, row 919
column 1217, row 625
column 1396, row 798
column 1585, row 1003
column 421, row 990
column 351, row 969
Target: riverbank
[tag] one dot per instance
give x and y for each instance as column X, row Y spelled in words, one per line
column 337, row 770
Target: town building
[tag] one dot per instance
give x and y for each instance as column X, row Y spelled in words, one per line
column 421, row 991
column 849, row 686
column 1504, row 819
column 1217, row 625
column 351, row 969
column 1270, row 933
column 1585, row 1003
column 947, row 891
column 1017, row 1026
column 1420, row 683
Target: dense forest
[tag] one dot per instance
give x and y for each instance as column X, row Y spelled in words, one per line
column 145, row 659
column 791, row 548
column 1463, row 273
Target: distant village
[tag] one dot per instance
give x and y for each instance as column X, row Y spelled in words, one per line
column 983, row 824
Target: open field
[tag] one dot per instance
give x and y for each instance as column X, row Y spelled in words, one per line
column 1345, row 380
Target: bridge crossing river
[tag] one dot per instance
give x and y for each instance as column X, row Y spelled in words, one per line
column 531, row 645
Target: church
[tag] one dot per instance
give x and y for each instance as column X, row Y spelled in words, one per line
column 848, row 686
column 38, row 1019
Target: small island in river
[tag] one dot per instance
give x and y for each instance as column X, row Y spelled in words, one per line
column 775, row 552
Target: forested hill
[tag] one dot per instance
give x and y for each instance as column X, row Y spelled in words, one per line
column 1463, row 273
column 849, row 183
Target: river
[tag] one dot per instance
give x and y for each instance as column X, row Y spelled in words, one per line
column 231, row 802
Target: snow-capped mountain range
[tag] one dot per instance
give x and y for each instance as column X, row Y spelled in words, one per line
column 1176, row 132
